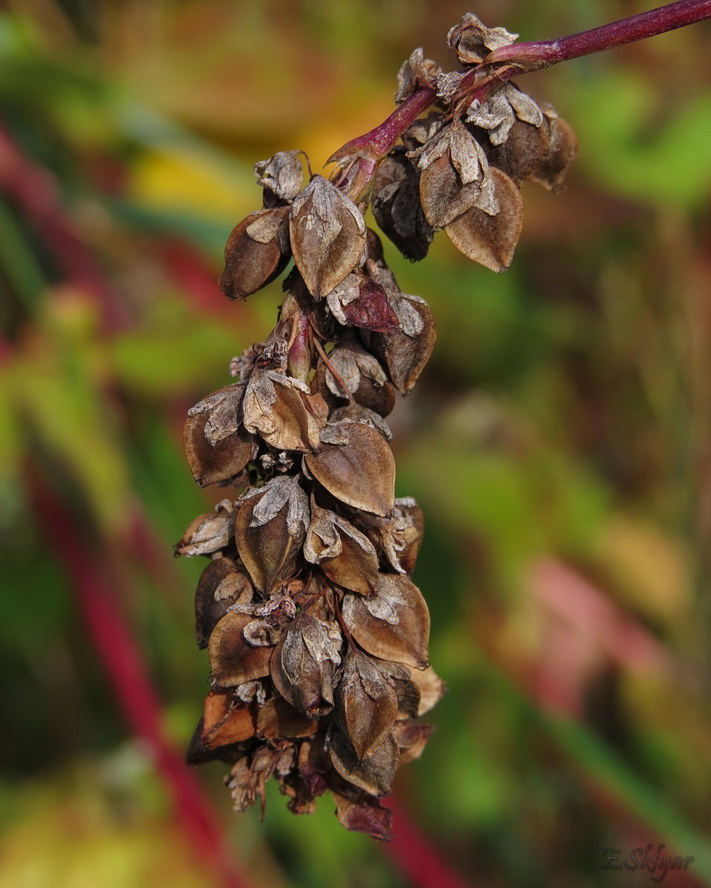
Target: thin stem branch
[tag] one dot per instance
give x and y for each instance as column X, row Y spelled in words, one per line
column 516, row 59
column 533, row 56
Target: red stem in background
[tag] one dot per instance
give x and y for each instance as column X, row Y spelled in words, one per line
column 415, row 856
column 35, row 191
column 121, row 657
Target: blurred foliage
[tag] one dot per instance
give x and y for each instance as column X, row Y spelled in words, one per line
column 559, row 442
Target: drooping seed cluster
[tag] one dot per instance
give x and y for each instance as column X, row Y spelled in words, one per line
column 317, row 636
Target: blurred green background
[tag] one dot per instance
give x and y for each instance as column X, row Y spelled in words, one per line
column 559, row 443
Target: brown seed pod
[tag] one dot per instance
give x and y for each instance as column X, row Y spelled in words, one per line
column 327, row 235
column 270, row 528
column 363, row 454
column 221, row 585
column 491, row 240
column 393, row 623
column 257, row 251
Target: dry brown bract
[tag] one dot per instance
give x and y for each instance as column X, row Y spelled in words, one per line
column 316, row 635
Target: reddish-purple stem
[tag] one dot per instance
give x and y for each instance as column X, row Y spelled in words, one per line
column 518, row 58
column 35, row 191
column 415, row 856
column 380, row 140
column 123, row 662
column 531, row 56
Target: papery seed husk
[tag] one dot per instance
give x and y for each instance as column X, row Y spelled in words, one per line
column 561, row 152
column 397, row 208
column 208, row 533
column 411, row 739
column 344, row 554
column 251, row 264
column 221, row 409
column 277, row 718
column 211, row 464
column 406, row 691
column 366, row 815
column 367, row 704
column 522, row 152
column 374, row 774
column 232, row 660
column 367, row 458
column 473, row 41
column 225, row 722
column 491, row 240
column 270, row 550
column 405, row 355
column 391, row 624
column 303, row 665
column 221, row 585
column 274, row 408
column 327, row 235
column 455, row 177
column 431, row 688
column 282, row 174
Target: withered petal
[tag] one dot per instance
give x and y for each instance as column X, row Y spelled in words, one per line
column 366, row 815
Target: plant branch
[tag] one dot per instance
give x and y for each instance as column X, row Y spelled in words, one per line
column 516, row 58
column 533, row 56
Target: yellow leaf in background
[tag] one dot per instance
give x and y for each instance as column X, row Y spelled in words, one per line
column 649, row 568
column 181, row 179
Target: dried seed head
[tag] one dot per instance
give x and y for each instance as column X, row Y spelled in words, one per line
column 317, row 638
